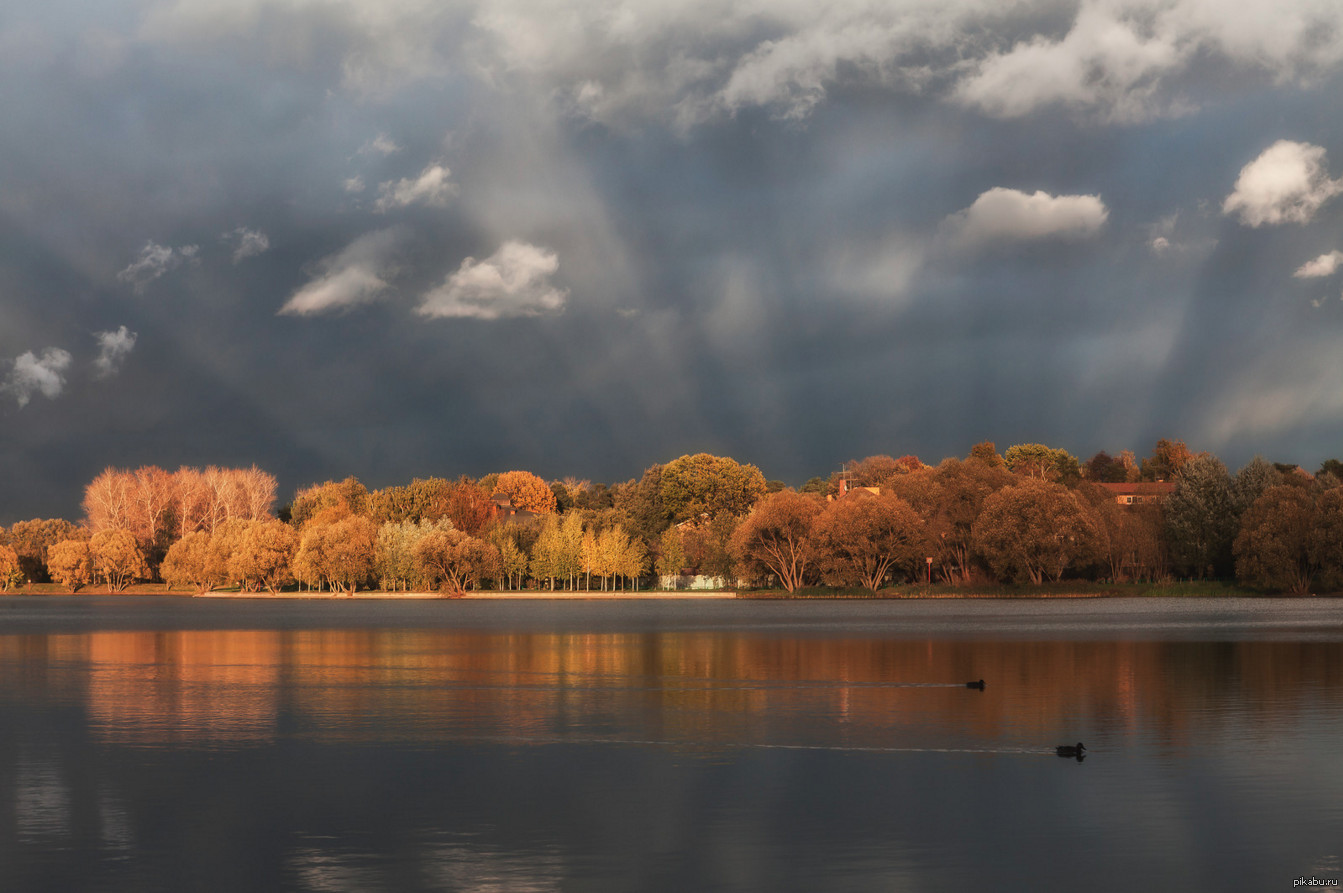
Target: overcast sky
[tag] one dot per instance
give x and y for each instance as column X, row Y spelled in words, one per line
column 410, row 237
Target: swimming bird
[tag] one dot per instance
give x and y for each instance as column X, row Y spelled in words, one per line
column 979, row 685
column 1068, row 750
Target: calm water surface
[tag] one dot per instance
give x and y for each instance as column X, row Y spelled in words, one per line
column 171, row 744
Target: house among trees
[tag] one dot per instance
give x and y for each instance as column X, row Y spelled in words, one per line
column 505, row 511
column 1140, row 492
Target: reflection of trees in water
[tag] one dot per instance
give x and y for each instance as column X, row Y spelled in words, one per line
column 689, row 686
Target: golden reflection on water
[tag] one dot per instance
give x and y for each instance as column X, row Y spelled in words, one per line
column 711, row 687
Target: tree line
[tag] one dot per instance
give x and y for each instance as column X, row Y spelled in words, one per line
column 1030, row 515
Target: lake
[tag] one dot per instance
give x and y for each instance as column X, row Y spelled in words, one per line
column 178, row 744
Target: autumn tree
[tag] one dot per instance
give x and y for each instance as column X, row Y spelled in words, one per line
column 949, row 498
column 631, row 558
column 862, row 538
column 1167, row 459
column 108, row 499
column 1331, row 469
column 263, row 555
column 512, row 558
column 640, row 505
column 548, row 558
column 32, row 539
column 1131, row 543
column 671, row 553
column 708, row 545
column 1273, row 549
column 1034, row 531
column 693, row 486
column 333, row 500
column 986, row 452
column 470, row 508
column 1326, row 542
column 455, row 559
column 11, row 574
column 394, row 554
column 776, row 537
column 70, row 563
column 203, row 499
column 569, row 554
column 117, row 559
column 423, row 499
column 872, row 471
column 1039, row 461
column 194, row 561
column 525, row 491
column 338, row 554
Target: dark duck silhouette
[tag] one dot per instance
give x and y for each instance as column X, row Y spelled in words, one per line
column 1068, row 750
column 979, row 685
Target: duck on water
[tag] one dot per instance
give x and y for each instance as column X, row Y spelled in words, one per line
column 1069, row 750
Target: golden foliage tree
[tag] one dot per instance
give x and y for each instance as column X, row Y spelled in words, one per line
column 11, row 574
column 338, row 554
column 194, row 561
column 263, row 555
column 70, row 563
column 32, row 539
column 456, row 561
column 117, row 559
column 332, row 501
column 703, row 484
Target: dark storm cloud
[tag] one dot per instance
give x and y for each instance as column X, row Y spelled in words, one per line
column 394, row 239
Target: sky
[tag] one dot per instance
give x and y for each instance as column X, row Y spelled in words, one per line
column 410, row 237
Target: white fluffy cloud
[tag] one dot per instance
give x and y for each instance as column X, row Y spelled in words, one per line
column 1287, row 183
column 514, row 281
column 1009, row 215
column 432, row 187
column 1324, row 265
column 113, row 348
column 153, row 262
column 43, row 375
column 247, row 243
column 356, row 275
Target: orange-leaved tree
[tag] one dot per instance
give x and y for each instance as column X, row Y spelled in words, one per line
column 525, row 491
column 70, row 563
column 776, row 537
column 861, row 538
